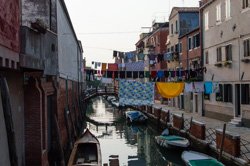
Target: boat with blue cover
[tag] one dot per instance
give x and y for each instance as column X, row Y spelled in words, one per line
column 136, row 117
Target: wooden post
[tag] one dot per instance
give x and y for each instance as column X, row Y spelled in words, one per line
column 4, row 89
column 222, row 141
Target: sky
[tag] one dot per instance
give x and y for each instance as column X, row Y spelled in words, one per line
column 107, row 25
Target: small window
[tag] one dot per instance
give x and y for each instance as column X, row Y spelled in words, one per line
column 228, row 52
column 172, row 29
column 246, row 48
column 196, row 40
column 176, row 48
column 245, row 4
column 206, row 21
column 172, row 49
column 228, row 8
column 218, row 13
column 168, row 50
column 219, row 54
column 206, row 57
column 245, row 94
column 176, row 26
column 189, row 43
column 180, row 47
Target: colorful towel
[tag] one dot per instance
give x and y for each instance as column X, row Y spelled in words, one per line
column 136, row 93
column 170, row 90
column 135, row 66
column 112, row 67
column 208, row 87
column 104, row 66
column 189, row 87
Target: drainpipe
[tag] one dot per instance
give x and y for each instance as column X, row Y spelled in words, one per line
column 202, row 56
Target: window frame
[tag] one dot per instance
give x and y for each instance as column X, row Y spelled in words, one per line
column 218, row 13
column 228, row 9
column 228, row 50
column 206, row 20
column 190, row 43
column 246, row 47
column 218, row 54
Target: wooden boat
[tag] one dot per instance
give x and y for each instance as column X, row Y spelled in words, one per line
column 136, row 117
column 192, row 158
column 86, row 151
column 171, row 141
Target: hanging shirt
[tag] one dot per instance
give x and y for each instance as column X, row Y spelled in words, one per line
column 141, row 74
column 189, row 87
column 153, row 74
column 198, row 87
column 112, row 67
column 129, row 74
column 122, row 74
column 104, row 66
column 160, row 74
column 135, row 74
column 169, row 90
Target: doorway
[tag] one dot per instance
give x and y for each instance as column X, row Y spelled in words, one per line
column 237, row 100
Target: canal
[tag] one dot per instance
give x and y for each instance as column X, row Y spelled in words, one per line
column 135, row 145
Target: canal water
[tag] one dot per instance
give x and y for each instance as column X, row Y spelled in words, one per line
column 135, row 145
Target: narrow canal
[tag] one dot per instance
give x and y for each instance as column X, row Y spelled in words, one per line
column 135, row 145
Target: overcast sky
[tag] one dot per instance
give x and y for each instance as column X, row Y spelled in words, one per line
column 107, row 25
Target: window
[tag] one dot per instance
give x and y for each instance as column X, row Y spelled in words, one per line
column 218, row 13
column 246, row 48
column 245, row 94
column 228, row 52
column 176, row 48
column 168, row 50
column 245, row 4
column 206, row 23
column 219, row 54
column 219, row 95
column 228, row 8
column 172, row 29
column 228, row 97
column 206, row 57
column 176, row 26
column 180, row 47
column 206, row 96
column 172, row 49
column 189, row 43
column 196, row 39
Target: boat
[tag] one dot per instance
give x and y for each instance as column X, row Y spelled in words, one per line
column 192, row 158
column 136, row 117
column 86, row 151
column 171, row 141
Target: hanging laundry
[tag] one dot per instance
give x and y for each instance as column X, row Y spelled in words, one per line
column 198, row 87
column 152, row 57
column 104, row 73
column 114, row 54
column 189, row 87
column 153, row 74
column 130, row 55
column 104, row 66
column 106, row 80
column 99, row 64
column 216, row 87
column 168, row 56
column 109, row 74
column 95, row 65
column 135, row 74
column 112, row 67
column 95, row 71
column 140, row 56
column 166, row 74
column 170, row 90
column 159, row 58
column 141, row 74
column 115, row 74
column 136, row 93
column 122, row 74
column 135, row 66
column 121, row 55
column 129, row 74
column 208, row 87
column 160, row 74
column 147, row 74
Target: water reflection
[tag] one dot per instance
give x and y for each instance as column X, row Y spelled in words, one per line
column 135, row 145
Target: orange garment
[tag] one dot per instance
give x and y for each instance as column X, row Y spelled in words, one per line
column 104, row 66
column 169, row 90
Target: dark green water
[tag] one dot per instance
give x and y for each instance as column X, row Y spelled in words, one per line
column 135, row 145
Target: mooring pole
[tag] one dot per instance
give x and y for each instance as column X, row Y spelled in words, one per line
column 222, row 141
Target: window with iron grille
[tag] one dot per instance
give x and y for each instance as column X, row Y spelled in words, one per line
column 228, row 52
column 219, row 54
column 219, row 95
column 245, row 94
column 246, row 44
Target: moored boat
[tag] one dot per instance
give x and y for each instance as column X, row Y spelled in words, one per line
column 86, row 151
column 171, row 141
column 136, row 117
column 192, row 158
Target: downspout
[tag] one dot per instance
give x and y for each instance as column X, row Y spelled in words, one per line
column 202, row 55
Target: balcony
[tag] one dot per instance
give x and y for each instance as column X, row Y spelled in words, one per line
column 38, row 51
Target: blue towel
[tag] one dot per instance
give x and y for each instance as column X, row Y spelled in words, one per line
column 208, row 87
column 160, row 74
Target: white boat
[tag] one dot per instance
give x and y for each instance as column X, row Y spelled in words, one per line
column 172, row 141
column 192, row 158
column 86, row 151
column 136, row 117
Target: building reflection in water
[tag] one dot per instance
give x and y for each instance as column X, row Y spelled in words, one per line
column 135, row 145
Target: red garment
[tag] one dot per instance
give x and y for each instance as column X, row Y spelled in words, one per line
column 112, row 67
column 153, row 74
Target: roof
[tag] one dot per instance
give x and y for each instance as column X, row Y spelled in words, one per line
column 206, row 3
column 183, row 10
